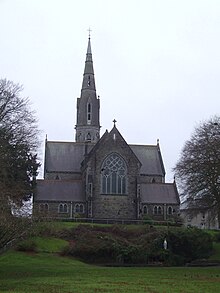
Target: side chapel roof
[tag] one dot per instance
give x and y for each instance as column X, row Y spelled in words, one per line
column 59, row 190
column 157, row 193
column 65, row 156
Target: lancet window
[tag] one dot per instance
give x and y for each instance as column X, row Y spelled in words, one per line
column 89, row 113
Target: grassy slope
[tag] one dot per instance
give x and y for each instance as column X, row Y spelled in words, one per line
column 48, row 272
column 45, row 272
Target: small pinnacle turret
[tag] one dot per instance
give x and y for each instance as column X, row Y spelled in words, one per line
column 87, row 125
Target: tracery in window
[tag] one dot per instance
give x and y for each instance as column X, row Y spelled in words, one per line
column 113, row 175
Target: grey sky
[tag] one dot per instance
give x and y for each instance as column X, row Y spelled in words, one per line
column 157, row 64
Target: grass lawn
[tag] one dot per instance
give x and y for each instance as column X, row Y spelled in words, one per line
column 45, row 272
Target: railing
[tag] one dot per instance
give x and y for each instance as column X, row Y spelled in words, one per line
column 117, row 221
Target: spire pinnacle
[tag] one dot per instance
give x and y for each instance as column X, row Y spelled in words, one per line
column 89, row 30
column 89, row 51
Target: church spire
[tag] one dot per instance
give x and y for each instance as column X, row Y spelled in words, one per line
column 88, row 76
column 87, row 125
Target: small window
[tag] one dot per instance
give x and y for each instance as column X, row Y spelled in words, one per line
column 90, row 189
column 145, row 211
column 139, row 190
column 157, row 210
column 63, row 208
column 88, row 137
column 79, row 208
column 89, row 113
column 169, row 210
column 44, row 207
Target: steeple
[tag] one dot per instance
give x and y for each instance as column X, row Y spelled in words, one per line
column 87, row 125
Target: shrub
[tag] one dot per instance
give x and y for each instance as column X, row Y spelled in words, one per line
column 140, row 244
column 190, row 244
column 217, row 237
column 28, row 245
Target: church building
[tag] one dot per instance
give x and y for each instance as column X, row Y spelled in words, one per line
column 103, row 177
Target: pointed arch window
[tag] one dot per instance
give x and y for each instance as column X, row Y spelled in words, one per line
column 88, row 136
column 89, row 113
column 79, row 208
column 63, row 208
column 157, row 210
column 44, row 207
column 145, row 210
column 169, row 210
column 114, row 175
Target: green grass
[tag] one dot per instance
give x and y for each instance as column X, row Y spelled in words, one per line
column 49, row 244
column 45, row 272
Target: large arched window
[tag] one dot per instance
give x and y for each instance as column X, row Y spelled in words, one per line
column 113, row 175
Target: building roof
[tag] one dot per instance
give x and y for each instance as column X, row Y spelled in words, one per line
column 57, row 190
column 65, row 156
column 68, row 156
column 150, row 158
column 157, row 193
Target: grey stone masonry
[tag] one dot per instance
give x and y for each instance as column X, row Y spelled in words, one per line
column 112, row 205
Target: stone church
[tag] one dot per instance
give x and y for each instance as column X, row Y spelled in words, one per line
column 103, row 178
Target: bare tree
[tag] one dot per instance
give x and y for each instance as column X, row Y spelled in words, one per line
column 198, row 169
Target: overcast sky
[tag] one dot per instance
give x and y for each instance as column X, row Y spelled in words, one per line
column 156, row 62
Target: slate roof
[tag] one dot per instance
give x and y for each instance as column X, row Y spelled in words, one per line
column 68, row 156
column 57, row 190
column 157, row 193
column 150, row 158
column 64, row 156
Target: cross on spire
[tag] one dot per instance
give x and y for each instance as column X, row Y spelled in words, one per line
column 114, row 121
column 89, row 30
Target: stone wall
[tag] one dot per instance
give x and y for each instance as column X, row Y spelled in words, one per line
column 109, row 205
column 51, row 209
column 149, row 211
